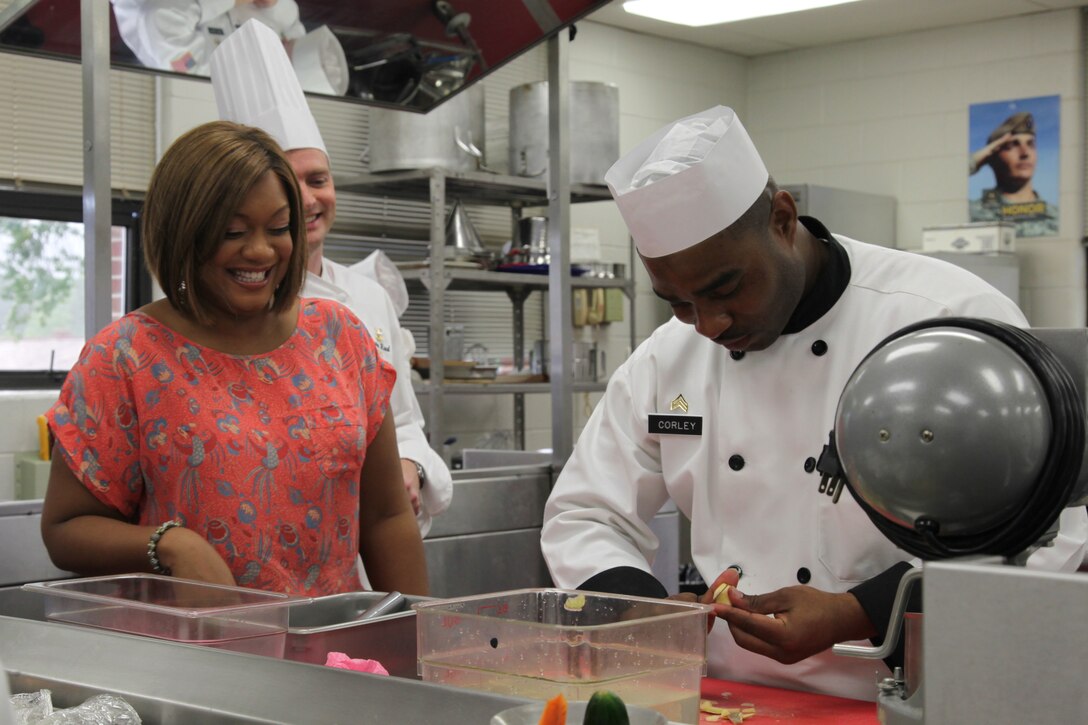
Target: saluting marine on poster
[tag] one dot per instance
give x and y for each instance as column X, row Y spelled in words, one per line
column 1018, row 140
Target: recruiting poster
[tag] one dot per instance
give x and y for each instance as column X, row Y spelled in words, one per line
column 1014, row 164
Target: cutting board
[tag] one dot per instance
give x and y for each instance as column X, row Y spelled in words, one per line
column 786, row 706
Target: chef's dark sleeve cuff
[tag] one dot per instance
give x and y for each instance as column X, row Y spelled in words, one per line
column 625, row 580
column 877, row 595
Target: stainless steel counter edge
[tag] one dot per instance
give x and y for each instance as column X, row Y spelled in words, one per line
column 176, row 683
column 495, row 499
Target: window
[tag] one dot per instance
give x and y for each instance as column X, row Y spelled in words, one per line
column 41, row 282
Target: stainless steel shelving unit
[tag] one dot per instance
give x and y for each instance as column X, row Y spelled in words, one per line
column 436, row 186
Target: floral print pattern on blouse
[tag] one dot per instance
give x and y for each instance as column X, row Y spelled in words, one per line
column 261, row 454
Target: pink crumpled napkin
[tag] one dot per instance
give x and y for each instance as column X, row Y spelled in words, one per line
column 342, row 661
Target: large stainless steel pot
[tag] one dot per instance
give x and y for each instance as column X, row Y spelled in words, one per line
column 594, row 130
column 449, row 137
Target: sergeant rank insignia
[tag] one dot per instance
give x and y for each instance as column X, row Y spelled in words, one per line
column 683, row 425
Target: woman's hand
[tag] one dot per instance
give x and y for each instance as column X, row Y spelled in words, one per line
column 188, row 555
column 85, row 536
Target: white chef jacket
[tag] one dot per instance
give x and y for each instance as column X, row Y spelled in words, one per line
column 371, row 304
column 744, row 482
column 180, row 35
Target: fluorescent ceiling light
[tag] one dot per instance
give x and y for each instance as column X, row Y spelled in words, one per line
column 714, row 12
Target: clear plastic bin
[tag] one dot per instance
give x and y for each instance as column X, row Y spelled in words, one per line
column 537, row 643
column 179, row 610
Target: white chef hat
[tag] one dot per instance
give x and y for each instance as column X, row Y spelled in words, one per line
column 255, row 85
column 320, row 63
column 687, row 182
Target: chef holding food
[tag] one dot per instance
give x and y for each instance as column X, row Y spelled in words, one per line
column 726, row 408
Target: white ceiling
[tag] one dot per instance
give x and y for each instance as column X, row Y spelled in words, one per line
column 853, row 21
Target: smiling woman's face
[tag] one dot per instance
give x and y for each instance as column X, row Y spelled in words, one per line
column 738, row 290
column 254, row 255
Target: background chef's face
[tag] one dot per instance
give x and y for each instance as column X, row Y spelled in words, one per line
column 1014, row 161
column 738, row 289
column 318, row 195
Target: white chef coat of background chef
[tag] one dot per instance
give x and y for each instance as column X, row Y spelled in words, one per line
column 181, row 35
column 372, row 304
column 253, row 84
column 747, row 482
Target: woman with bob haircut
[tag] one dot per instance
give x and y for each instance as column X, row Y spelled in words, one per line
column 232, row 432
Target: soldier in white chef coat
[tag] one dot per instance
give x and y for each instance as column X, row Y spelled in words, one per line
column 726, row 407
column 254, row 85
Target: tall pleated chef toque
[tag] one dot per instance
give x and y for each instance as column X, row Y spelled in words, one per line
column 255, row 85
column 687, row 182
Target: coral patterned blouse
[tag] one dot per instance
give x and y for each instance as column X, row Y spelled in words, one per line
column 259, row 453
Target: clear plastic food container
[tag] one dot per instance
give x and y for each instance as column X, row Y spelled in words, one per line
column 537, row 643
column 179, row 610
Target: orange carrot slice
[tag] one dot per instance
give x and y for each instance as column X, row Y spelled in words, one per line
column 555, row 711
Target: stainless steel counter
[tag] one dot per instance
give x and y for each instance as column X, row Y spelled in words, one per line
column 174, row 683
column 489, row 538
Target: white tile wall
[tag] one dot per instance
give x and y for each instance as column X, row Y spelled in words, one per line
column 20, row 410
column 889, row 115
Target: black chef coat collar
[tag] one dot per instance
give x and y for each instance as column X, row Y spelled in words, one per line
column 829, row 286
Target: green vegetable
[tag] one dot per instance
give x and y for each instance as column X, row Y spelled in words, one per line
column 605, row 708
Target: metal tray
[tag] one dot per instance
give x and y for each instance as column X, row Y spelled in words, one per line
column 326, row 624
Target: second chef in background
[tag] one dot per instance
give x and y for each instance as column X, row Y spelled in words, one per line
column 254, row 85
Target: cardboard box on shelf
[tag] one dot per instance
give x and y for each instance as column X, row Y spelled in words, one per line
column 980, row 237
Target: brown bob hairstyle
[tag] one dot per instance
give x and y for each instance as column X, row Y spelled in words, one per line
column 196, row 189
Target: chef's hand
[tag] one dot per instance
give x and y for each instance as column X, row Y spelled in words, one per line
column 189, row 555
column 793, row 623
column 980, row 157
column 730, row 576
column 411, row 482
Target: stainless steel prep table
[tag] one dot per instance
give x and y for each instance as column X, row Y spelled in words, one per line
column 176, row 683
column 489, row 539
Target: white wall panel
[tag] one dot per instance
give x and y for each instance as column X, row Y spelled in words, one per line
column 889, row 115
